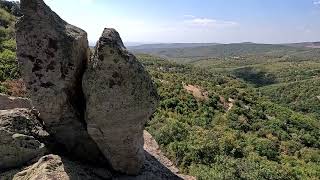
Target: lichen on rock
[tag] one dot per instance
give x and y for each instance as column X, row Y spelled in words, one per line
column 120, row 98
column 53, row 55
column 22, row 137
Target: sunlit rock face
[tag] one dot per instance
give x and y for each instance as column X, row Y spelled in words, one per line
column 120, row 98
column 53, row 55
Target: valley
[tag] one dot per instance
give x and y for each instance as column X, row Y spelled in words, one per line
column 272, row 70
column 239, row 131
column 226, row 111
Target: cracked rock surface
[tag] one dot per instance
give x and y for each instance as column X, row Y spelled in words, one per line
column 21, row 138
column 120, row 98
column 53, row 55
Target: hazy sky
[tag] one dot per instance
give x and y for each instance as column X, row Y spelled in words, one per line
column 223, row 21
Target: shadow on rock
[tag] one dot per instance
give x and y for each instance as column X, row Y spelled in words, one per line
column 152, row 169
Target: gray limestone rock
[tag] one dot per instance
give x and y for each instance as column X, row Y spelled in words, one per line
column 54, row 167
column 120, row 98
column 8, row 102
column 21, row 139
column 156, row 167
column 53, row 55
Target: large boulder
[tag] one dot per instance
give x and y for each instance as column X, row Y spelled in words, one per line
column 53, row 55
column 8, row 102
column 120, row 98
column 21, row 138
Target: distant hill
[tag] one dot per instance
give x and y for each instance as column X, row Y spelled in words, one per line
column 225, row 50
column 305, row 44
column 170, row 46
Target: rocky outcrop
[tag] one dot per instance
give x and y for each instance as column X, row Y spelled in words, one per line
column 120, row 98
column 95, row 112
column 53, row 167
column 8, row 102
column 22, row 143
column 21, row 138
column 53, row 55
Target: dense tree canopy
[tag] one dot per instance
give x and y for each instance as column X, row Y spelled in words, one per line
column 235, row 133
column 8, row 64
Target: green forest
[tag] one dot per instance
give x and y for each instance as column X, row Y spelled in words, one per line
column 8, row 64
column 242, row 112
column 233, row 132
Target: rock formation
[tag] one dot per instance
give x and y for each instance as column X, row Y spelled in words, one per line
column 53, row 55
column 7, row 102
column 53, row 167
column 70, row 129
column 21, row 136
column 120, row 98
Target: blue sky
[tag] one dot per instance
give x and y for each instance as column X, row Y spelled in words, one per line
column 222, row 21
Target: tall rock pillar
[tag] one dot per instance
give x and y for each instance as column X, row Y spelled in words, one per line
column 120, row 98
column 53, row 56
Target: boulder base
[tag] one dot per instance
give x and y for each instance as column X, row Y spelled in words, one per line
column 53, row 167
column 21, row 138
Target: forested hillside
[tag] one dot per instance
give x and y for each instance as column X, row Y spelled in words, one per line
column 263, row 98
column 286, row 73
column 289, row 81
column 217, row 127
column 237, row 51
column 302, row 96
column 8, row 65
column 169, row 46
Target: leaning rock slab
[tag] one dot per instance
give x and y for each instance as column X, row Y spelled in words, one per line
column 21, row 138
column 8, row 102
column 53, row 55
column 120, row 98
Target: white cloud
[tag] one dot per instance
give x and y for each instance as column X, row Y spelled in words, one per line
column 207, row 22
column 317, row 2
column 188, row 29
column 188, row 16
